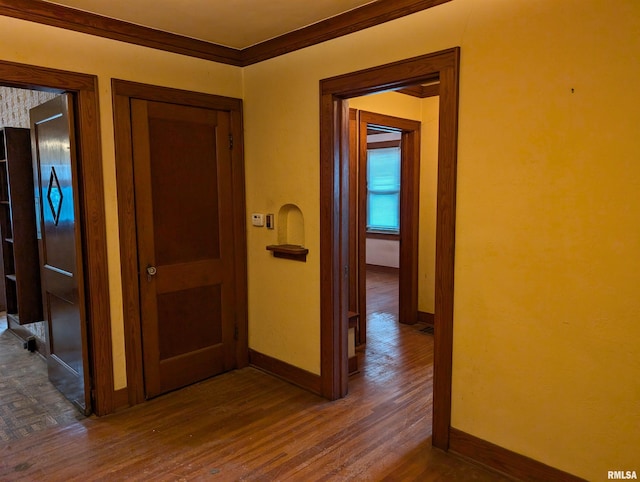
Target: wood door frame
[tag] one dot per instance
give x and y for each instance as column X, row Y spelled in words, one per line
column 123, row 91
column 409, row 215
column 334, row 219
column 84, row 87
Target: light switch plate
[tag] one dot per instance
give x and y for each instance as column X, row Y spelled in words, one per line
column 257, row 219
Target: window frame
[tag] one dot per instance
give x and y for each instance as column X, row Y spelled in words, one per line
column 373, row 233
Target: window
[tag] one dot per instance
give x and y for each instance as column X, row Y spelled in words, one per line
column 383, row 190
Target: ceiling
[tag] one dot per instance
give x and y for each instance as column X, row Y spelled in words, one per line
column 232, row 23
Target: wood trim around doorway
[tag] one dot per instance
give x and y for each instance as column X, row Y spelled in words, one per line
column 334, row 226
column 123, row 92
column 85, row 90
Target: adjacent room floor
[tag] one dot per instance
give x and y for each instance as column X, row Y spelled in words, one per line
column 247, row 425
column 28, row 402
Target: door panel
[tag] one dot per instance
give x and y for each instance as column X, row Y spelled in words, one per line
column 55, row 170
column 182, row 172
column 67, row 349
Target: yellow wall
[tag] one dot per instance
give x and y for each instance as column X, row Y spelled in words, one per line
column 547, row 248
column 34, row 44
column 425, row 111
column 428, row 192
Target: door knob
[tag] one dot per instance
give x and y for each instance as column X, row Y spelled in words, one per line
column 151, row 271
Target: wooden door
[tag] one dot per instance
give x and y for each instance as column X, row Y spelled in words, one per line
column 54, row 154
column 182, row 178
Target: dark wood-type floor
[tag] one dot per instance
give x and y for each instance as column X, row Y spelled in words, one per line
column 247, row 425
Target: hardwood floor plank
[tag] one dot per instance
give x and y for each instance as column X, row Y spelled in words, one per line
column 247, row 425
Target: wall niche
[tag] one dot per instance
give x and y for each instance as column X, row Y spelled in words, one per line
column 290, row 228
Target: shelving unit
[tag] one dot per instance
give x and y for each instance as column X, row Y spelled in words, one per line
column 20, row 259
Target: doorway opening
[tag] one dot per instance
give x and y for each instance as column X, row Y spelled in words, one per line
column 41, row 236
column 97, row 351
column 396, row 159
column 379, row 222
column 334, row 188
column 384, row 196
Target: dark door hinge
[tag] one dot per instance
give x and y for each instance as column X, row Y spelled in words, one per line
column 235, row 332
column 230, row 141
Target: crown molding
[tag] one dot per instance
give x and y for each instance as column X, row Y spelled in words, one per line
column 69, row 18
column 352, row 21
column 72, row 19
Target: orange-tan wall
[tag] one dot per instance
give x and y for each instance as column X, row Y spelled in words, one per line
column 427, row 214
column 548, row 239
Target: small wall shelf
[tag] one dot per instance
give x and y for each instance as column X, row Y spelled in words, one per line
column 290, row 235
column 289, row 251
